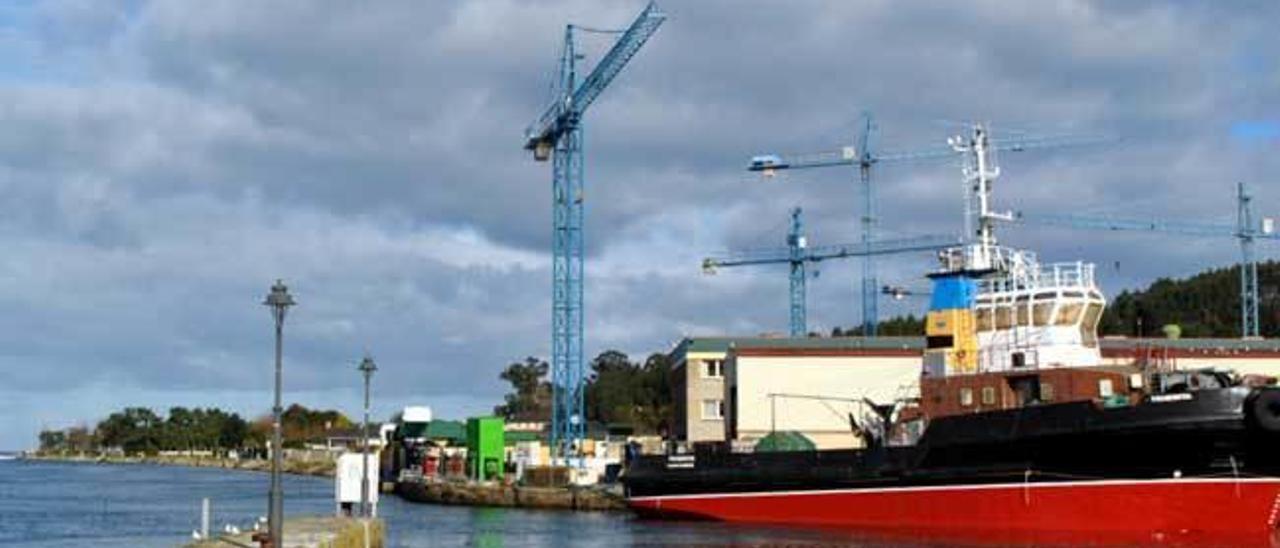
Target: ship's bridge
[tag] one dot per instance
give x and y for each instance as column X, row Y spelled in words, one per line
column 1043, row 316
column 999, row 309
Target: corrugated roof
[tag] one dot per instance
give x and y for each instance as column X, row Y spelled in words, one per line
column 721, row 344
column 454, row 431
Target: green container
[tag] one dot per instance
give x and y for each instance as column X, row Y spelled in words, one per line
column 485, row 443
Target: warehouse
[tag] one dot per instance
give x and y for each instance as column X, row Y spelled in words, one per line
column 880, row 368
column 841, row 368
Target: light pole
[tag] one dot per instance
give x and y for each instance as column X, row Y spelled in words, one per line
column 367, row 367
column 279, row 300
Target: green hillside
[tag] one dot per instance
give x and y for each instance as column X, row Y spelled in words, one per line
column 1204, row 305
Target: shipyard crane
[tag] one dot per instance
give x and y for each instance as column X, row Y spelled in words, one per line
column 1247, row 230
column 557, row 135
column 862, row 157
column 798, row 254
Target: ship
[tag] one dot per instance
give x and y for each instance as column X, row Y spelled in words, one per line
column 1019, row 431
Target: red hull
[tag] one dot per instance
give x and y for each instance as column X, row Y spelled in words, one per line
column 1138, row 510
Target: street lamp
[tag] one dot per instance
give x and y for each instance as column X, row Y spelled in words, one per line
column 367, row 367
column 279, row 300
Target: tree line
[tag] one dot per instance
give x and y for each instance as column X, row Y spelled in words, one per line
column 618, row 391
column 1204, row 305
column 140, row 430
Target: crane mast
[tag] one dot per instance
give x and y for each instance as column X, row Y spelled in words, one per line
column 557, row 135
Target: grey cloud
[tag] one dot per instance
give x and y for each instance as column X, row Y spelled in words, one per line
column 162, row 163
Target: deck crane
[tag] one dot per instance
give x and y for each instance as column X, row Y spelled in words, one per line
column 1247, row 230
column 557, row 135
column 862, row 157
column 798, row 254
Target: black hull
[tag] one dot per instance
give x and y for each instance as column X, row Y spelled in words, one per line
column 1232, row 432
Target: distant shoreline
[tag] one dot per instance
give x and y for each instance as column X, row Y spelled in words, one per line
column 318, row 468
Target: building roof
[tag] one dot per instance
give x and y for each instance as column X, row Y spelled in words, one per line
column 823, row 345
column 1196, row 347
column 722, row 344
column 454, row 431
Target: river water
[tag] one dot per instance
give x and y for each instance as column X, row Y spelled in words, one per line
column 50, row 504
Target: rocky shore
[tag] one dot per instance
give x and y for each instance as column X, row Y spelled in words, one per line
column 311, row 467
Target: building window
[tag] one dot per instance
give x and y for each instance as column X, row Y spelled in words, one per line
column 988, row 395
column 1105, row 389
column 1046, row 391
column 712, row 369
column 966, row 397
column 712, row 409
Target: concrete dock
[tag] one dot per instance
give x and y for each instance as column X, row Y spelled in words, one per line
column 312, row 532
column 510, row 496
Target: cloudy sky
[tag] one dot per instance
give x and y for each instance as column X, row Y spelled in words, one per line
column 162, row 162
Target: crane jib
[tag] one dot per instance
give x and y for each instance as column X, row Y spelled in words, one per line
column 564, row 112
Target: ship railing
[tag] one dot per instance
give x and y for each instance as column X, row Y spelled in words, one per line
column 979, row 257
column 1067, row 274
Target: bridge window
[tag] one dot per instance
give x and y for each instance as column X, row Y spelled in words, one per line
column 1004, row 316
column 1069, row 313
column 1046, row 392
column 966, row 397
column 939, row 341
column 988, row 395
column 1089, row 327
column 986, row 319
column 1042, row 312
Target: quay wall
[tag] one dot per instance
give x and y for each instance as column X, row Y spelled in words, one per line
column 510, row 496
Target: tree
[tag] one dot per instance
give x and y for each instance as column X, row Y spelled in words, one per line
column 53, row 440
column 135, row 430
column 611, row 388
column 530, row 398
column 234, row 432
column 621, row 391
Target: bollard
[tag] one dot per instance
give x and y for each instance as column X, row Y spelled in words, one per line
column 204, row 517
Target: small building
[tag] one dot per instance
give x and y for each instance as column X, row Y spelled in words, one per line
column 699, row 367
column 697, row 385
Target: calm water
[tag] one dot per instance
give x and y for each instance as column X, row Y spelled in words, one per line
column 107, row 506
column 69, row 504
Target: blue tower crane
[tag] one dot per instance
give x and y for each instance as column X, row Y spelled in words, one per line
column 557, row 135
column 1247, row 230
column 861, row 155
column 798, row 254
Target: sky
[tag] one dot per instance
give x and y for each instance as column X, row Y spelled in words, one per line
column 163, row 162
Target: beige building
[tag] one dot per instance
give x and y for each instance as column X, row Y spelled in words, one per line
column 703, row 399
column 698, row 389
column 802, row 383
column 1244, row 356
column 817, row 390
